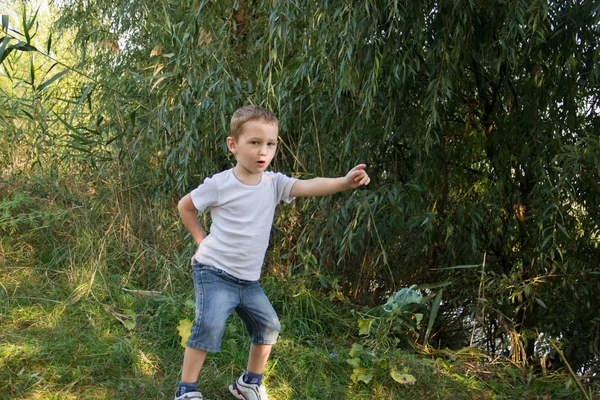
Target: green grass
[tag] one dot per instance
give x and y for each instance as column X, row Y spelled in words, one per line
column 94, row 283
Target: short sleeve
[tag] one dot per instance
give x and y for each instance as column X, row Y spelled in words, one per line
column 205, row 195
column 284, row 187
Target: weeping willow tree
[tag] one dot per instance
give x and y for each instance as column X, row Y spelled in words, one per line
column 478, row 119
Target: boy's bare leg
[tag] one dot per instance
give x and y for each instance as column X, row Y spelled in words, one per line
column 193, row 359
column 257, row 360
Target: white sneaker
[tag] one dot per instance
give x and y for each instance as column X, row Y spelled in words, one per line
column 245, row 391
column 190, row 396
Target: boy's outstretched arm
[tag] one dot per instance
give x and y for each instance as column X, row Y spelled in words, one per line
column 356, row 177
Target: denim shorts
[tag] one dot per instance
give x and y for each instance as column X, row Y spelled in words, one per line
column 217, row 295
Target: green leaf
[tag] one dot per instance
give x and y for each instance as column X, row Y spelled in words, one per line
column 24, row 18
column 84, row 96
column 357, row 350
column 32, row 72
column 433, row 314
column 49, row 43
column 355, row 362
column 380, row 362
column 443, row 363
column 403, row 379
column 433, row 285
column 3, row 51
column 22, row 46
column 418, row 318
column 28, row 115
column 77, row 133
column 32, row 20
column 129, row 324
column 364, row 326
column 461, row 267
column 540, row 302
column 48, row 82
column 361, row 374
column 5, row 22
column 562, row 228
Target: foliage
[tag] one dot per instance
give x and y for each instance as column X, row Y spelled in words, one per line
column 44, row 119
column 385, row 329
column 478, row 120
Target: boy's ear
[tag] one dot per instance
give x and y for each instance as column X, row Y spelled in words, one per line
column 231, row 144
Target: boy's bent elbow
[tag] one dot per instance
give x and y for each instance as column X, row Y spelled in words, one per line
column 186, row 204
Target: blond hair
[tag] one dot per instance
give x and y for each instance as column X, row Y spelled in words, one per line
column 249, row 113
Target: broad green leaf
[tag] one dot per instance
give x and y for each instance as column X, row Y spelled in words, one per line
column 129, row 324
column 403, row 379
column 357, row 350
column 355, row 362
column 418, row 318
column 364, row 326
column 361, row 374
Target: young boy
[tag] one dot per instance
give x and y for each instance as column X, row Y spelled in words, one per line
column 228, row 261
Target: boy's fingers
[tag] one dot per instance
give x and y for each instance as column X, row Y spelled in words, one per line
column 362, row 178
column 359, row 176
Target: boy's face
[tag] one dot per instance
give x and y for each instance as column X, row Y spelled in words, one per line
column 254, row 148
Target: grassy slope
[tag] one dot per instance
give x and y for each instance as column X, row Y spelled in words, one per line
column 94, row 283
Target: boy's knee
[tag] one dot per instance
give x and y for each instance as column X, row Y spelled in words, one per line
column 206, row 334
column 210, row 327
column 275, row 326
column 265, row 332
column 270, row 331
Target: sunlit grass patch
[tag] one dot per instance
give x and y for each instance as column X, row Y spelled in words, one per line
column 81, row 347
column 307, row 371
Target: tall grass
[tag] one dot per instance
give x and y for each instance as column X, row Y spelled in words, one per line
column 75, row 255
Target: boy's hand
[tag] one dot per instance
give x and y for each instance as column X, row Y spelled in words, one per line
column 357, row 176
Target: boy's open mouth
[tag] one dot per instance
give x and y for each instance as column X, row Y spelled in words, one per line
column 262, row 163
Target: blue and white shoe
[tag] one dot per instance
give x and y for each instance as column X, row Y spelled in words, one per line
column 190, row 396
column 245, row 391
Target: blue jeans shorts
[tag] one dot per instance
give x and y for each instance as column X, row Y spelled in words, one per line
column 217, row 295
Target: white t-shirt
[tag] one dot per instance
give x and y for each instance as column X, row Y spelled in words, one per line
column 242, row 216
